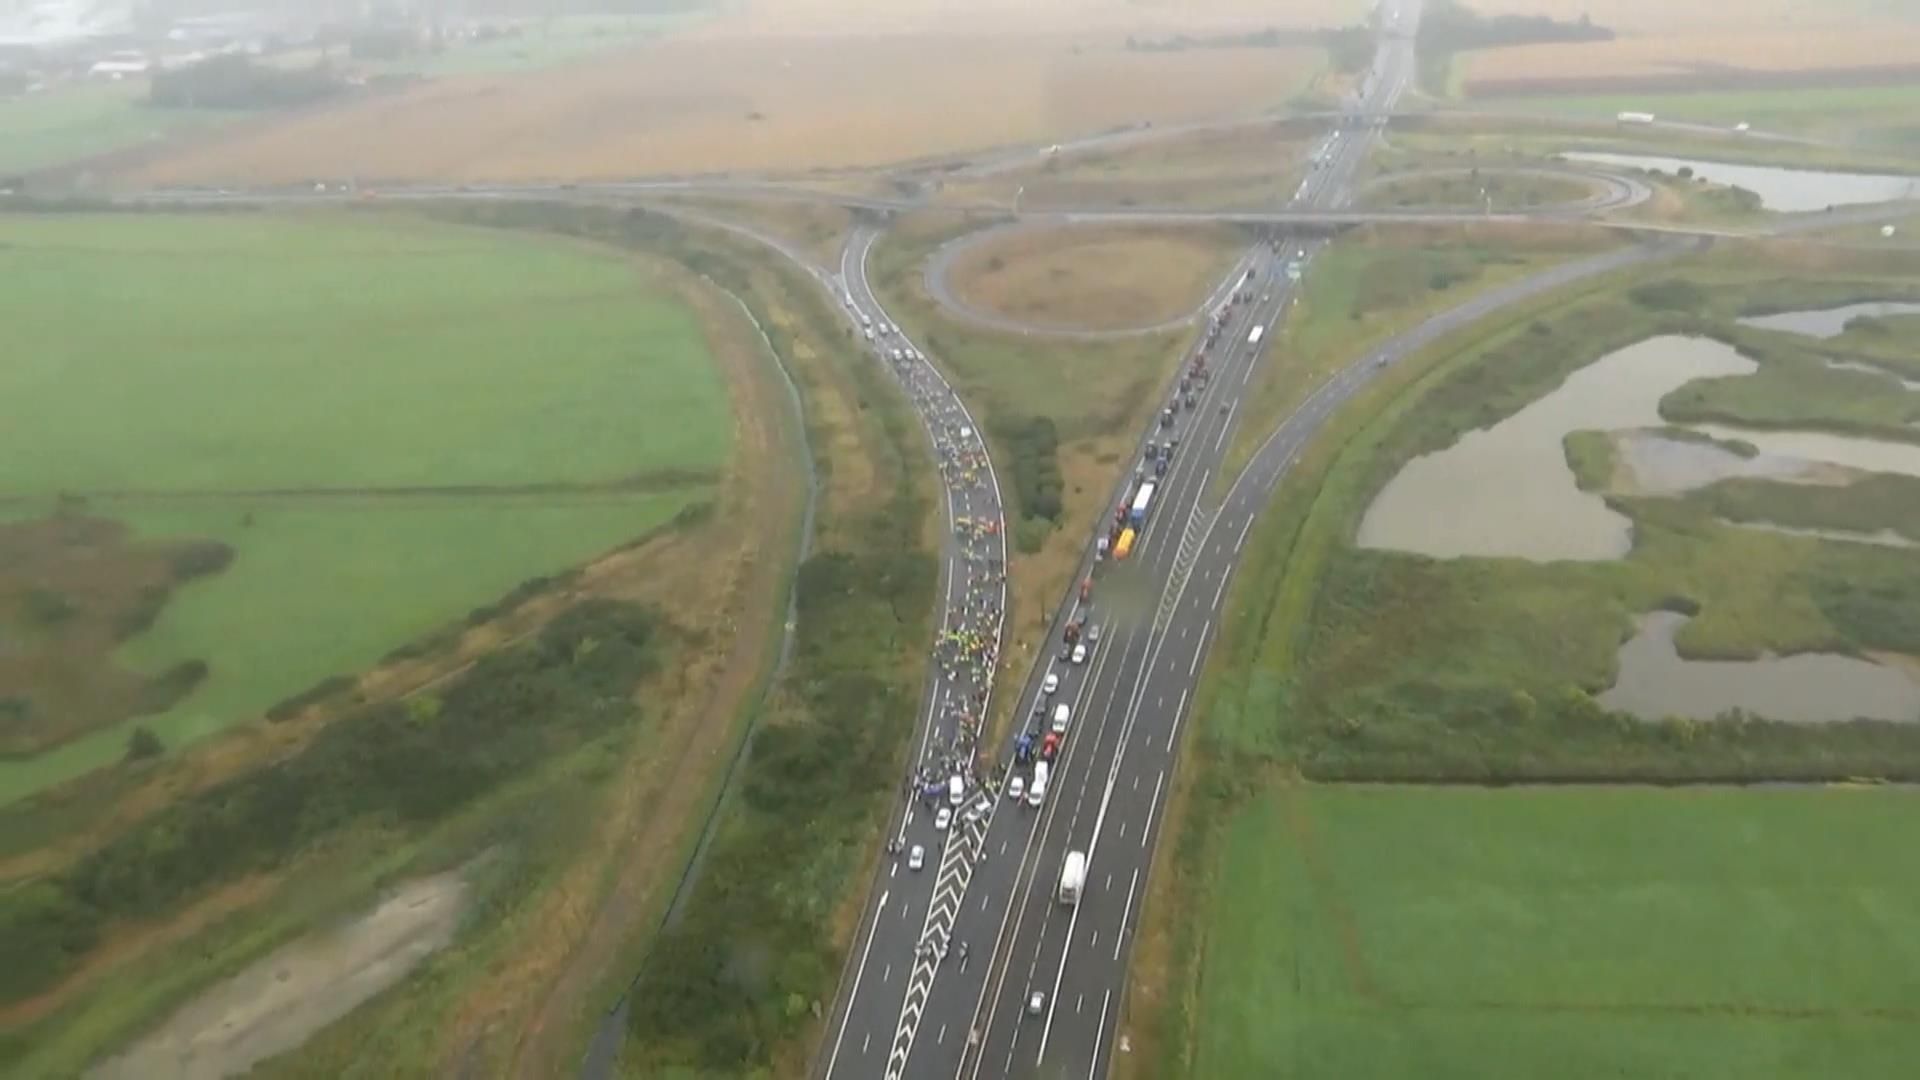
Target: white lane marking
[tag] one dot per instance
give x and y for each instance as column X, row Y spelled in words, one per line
column 1243, row 534
column 1151, row 807
column 864, row 1043
column 894, row 870
column 1225, row 425
column 1100, row 1035
column 887, row 975
column 1217, row 593
column 855, row 992
column 1128, row 913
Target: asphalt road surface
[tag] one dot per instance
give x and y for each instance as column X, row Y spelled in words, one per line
column 960, row 1013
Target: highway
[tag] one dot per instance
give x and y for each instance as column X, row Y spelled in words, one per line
column 968, row 1014
column 903, row 906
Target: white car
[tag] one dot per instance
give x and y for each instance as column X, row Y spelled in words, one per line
column 1080, row 653
column 943, row 819
column 1017, row 788
column 1036, row 1003
column 1050, row 683
column 917, row 858
column 1062, row 716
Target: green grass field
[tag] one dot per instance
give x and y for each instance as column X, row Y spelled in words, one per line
column 1388, row 932
column 74, row 122
column 289, row 386
column 254, row 353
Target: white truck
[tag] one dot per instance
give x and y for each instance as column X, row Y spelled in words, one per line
column 1073, row 877
column 1037, row 794
column 1258, row 333
column 1634, row 118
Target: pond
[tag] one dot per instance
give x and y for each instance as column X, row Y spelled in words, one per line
column 1784, row 190
column 1872, row 455
column 1829, row 322
column 1654, row 683
column 1507, row 490
column 1657, row 463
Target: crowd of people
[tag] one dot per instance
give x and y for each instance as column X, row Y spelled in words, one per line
column 966, row 651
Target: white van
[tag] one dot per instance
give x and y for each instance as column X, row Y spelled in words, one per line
column 1037, row 794
column 1062, row 715
column 956, row 791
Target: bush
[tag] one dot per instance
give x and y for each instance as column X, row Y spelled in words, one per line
column 1033, row 460
column 1030, row 534
column 288, row 708
column 199, row 559
column 45, row 607
column 508, row 713
column 143, row 744
column 1671, row 294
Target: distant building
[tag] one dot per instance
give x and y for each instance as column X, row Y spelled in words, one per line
column 119, row 65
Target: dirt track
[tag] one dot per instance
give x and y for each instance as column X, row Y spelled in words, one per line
column 299, row 988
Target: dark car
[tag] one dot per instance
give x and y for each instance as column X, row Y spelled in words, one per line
column 1160, row 467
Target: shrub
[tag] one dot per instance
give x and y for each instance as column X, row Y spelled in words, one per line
column 1671, row 294
column 1030, row 534
column 199, row 559
column 143, row 744
column 382, row 764
column 1033, row 460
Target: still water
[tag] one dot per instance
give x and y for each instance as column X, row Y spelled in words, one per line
column 1784, row 190
column 1655, row 463
column 1829, row 322
column 1655, row 682
column 1507, row 491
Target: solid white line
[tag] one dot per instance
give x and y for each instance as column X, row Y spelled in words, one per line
column 1243, row 534
column 1148, row 831
column 1127, row 914
column 1217, row 593
column 854, row 994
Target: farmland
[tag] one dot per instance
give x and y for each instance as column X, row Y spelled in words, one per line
column 1665, row 48
column 1566, row 932
column 717, row 101
column 400, row 394
column 595, row 787
column 1093, row 279
column 1237, row 166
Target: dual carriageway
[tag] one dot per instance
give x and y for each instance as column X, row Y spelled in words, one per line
column 1040, row 997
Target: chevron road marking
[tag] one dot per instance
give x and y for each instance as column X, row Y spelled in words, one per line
column 949, row 890
column 1199, row 524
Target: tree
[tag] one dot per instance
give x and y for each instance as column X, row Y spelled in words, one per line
column 143, row 744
